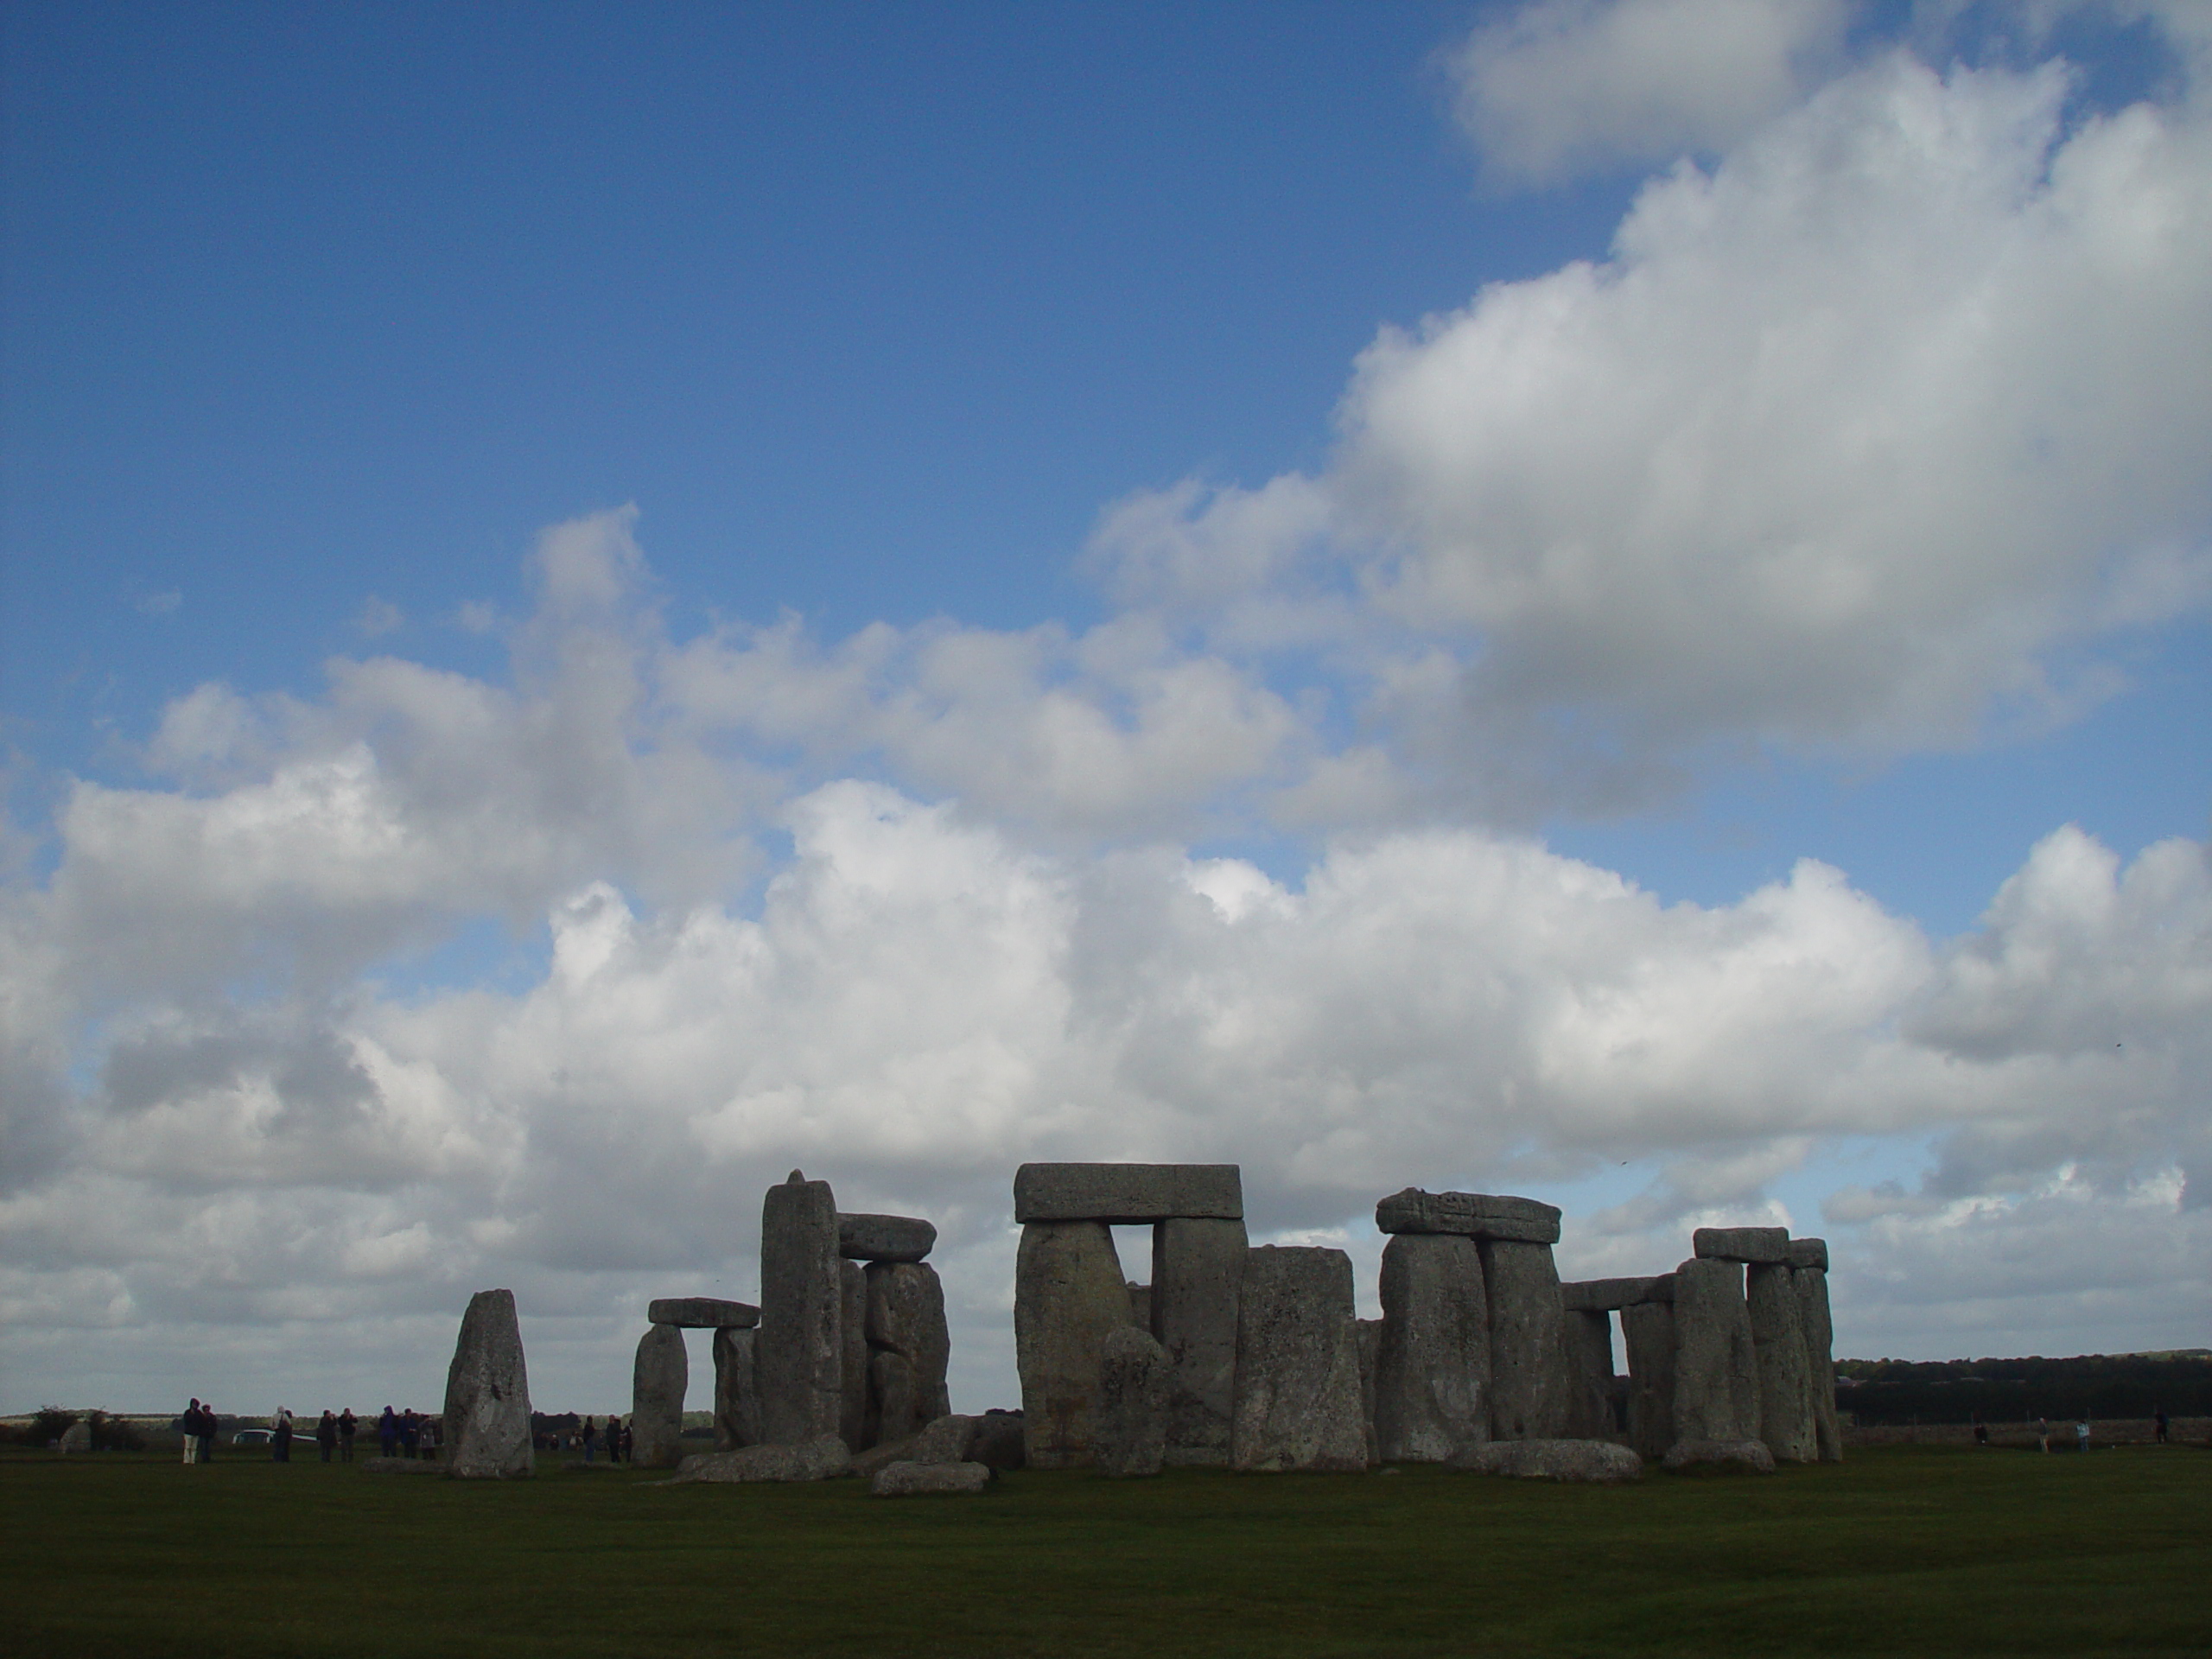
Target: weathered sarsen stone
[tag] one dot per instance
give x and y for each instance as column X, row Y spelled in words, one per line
column 1751, row 1455
column 821, row 1459
column 1198, row 1273
column 1125, row 1195
column 1608, row 1295
column 1589, row 1338
column 1741, row 1243
column 737, row 1401
column 885, row 1238
column 702, row 1313
column 1068, row 1294
column 1716, row 1368
column 1647, row 1334
column 1785, row 1382
column 487, row 1393
column 1472, row 1215
column 853, row 1356
column 1130, row 1437
column 1597, row 1461
column 1534, row 1384
column 658, row 1381
column 1811, row 1283
column 1298, row 1400
column 930, row 1479
column 799, row 1355
column 1432, row 1361
column 905, row 1320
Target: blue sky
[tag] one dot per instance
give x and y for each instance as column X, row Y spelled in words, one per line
column 661, row 482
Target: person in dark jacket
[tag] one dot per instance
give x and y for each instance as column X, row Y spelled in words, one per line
column 348, row 1423
column 325, row 1435
column 280, row 1438
column 388, row 1432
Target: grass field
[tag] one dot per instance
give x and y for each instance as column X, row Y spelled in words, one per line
column 1929, row 1550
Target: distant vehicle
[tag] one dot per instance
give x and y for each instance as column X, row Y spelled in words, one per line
column 253, row 1437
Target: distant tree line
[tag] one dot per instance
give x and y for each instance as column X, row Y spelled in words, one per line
column 1896, row 1391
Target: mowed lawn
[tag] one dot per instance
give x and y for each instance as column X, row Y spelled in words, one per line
column 1908, row 1549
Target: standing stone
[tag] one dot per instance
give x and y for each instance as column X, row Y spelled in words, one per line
column 852, row 1369
column 1069, row 1295
column 1589, row 1338
column 1141, row 1305
column 1716, row 1368
column 1648, row 1334
column 1811, row 1287
column 1432, row 1364
column 487, row 1393
column 658, row 1381
column 1369, row 1334
column 904, row 1317
column 800, row 1354
column 737, row 1400
column 893, row 1412
column 1131, row 1435
column 1533, row 1389
column 1297, row 1403
column 1785, row 1382
column 1198, row 1270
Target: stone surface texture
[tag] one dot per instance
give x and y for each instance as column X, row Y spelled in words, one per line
column 1369, row 1333
column 702, row 1313
column 1472, row 1215
column 1809, row 1253
column 798, row 1356
column 1198, row 1274
column 487, row 1393
column 1140, row 1304
column 658, row 1381
column 905, row 1318
column 886, row 1238
column 1785, row 1381
column 1534, row 1387
column 1588, row 1334
column 1599, row 1461
column 1740, row 1244
column 1611, row 1295
column 1716, row 1368
column 1130, row 1437
column 949, row 1438
column 1127, row 1195
column 1432, row 1373
column 1751, row 1455
column 1648, row 1335
column 927, row 1479
column 1068, row 1294
column 821, row 1459
column 1811, row 1287
column 853, row 1380
column 998, row 1441
column 1298, row 1399
column 737, row 1401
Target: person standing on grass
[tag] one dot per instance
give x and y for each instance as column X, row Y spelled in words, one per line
column 590, row 1437
column 410, row 1431
column 208, row 1427
column 2042, row 1433
column 190, row 1426
column 614, row 1438
column 388, row 1432
column 2081, row 1435
column 347, row 1422
column 280, row 1439
column 326, row 1435
column 2158, row 1436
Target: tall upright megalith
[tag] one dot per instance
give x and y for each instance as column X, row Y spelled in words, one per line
column 1198, row 1274
column 1808, row 1264
column 853, row 1355
column 657, row 1380
column 1716, row 1366
column 487, row 1393
column 1068, row 1294
column 1786, row 1412
column 799, row 1356
column 1432, row 1380
column 909, row 1349
column 1297, row 1394
column 737, row 1394
column 1130, row 1436
column 1648, row 1335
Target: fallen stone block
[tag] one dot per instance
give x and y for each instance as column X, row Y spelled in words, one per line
column 821, row 1459
column 1298, row 1398
column 1611, row 1295
column 930, row 1479
column 487, row 1393
column 885, row 1238
column 1741, row 1243
column 1599, row 1461
column 1472, row 1214
column 998, row 1440
column 1751, row 1456
column 701, row 1313
column 1130, row 1438
column 1125, row 1195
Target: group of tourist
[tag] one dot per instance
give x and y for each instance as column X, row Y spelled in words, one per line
column 407, row 1434
column 198, row 1425
column 615, row 1439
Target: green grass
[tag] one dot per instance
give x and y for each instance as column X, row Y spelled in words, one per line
column 1909, row 1549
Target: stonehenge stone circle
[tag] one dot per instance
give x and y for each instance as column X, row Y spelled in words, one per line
column 657, row 1385
column 1127, row 1195
column 1741, row 1245
column 1811, row 1283
column 1474, row 1215
column 852, row 1354
column 1647, row 1334
column 820, row 1458
column 737, row 1401
column 1198, row 1273
column 1298, row 1398
column 1431, row 1367
column 1130, row 1436
column 1068, row 1294
column 1533, row 1386
column 702, row 1313
column 487, row 1393
column 925, row 1479
column 1786, row 1406
column 1598, row 1461
column 1716, row 1369
column 885, row 1238
column 798, row 1356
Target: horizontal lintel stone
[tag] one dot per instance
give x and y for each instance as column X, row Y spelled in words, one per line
column 1127, row 1195
column 1809, row 1253
column 1605, row 1295
column 702, row 1314
column 1473, row 1215
column 884, row 1238
column 1741, row 1243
